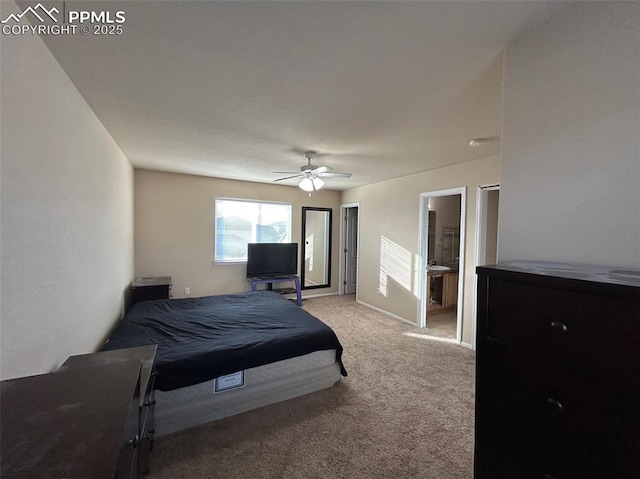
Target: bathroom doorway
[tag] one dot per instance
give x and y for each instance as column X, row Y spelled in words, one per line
column 442, row 225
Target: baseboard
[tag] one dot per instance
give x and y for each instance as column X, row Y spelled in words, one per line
column 308, row 296
column 386, row 313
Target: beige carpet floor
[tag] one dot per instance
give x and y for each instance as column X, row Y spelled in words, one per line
column 404, row 411
column 444, row 325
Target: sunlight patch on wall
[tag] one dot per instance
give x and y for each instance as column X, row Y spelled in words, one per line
column 395, row 263
column 308, row 252
column 416, row 276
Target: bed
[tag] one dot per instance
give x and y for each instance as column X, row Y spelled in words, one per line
column 222, row 355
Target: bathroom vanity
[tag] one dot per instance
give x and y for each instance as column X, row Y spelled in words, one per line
column 442, row 284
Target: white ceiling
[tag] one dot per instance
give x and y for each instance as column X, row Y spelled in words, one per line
column 240, row 89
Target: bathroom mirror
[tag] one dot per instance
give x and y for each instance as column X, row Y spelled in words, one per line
column 316, row 247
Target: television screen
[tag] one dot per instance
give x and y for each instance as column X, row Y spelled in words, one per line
column 268, row 260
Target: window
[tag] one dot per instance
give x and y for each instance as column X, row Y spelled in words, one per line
column 239, row 222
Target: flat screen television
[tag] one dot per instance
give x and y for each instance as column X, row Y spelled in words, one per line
column 271, row 260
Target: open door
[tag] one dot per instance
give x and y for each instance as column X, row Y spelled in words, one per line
column 488, row 207
column 349, row 244
column 487, row 225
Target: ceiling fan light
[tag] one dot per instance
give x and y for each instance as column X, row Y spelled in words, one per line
column 306, row 184
column 317, row 183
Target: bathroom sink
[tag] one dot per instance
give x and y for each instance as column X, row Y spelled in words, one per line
column 437, row 267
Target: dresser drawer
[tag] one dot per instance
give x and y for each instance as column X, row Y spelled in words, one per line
column 599, row 333
column 147, row 426
column 146, row 440
column 147, row 413
column 128, row 462
column 568, row 425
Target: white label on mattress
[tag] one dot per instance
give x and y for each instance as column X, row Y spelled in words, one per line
column 230, row 381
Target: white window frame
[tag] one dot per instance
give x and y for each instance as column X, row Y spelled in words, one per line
column 286, row 239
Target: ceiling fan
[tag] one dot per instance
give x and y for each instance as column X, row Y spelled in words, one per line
column 311, row 174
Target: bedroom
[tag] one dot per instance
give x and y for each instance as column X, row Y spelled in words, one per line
column 73, row 234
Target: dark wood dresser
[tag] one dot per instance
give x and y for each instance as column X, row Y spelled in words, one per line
column 82, row 421
column 151, row 287
column 558, row 372
column 146, row 400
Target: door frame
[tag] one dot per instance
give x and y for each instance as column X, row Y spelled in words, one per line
column 423, row 248
column 482, row 196
column 342, row 277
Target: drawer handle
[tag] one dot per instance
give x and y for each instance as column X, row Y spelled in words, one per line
column 559, row 326
column 555, row 405
column 133, row 442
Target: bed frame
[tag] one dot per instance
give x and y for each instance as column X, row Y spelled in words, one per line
column 196, row 405
column 230, row 368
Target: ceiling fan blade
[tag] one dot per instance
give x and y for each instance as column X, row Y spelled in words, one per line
column 319, row 170
column 286, row 172
column 289, row 177
column 331, row 174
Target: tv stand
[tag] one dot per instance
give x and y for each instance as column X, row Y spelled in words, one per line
column 279, row 279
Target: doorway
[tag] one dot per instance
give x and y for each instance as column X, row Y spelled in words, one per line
column 487, row 225
column 488, row 208
column 441, row 261
column 349, row 228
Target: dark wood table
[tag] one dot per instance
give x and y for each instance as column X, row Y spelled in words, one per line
column 146, row 404
column 73, row 423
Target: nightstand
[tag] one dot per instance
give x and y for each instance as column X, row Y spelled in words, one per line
column 152, row 287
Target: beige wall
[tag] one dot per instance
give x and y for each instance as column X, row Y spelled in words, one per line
column 389, row 215
column 174, row 228
column 66, row 213
column 570, row 188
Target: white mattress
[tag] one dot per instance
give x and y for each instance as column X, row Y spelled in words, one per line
column 197, row 404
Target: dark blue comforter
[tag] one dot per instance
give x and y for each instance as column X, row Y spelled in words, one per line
column 202, row 338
